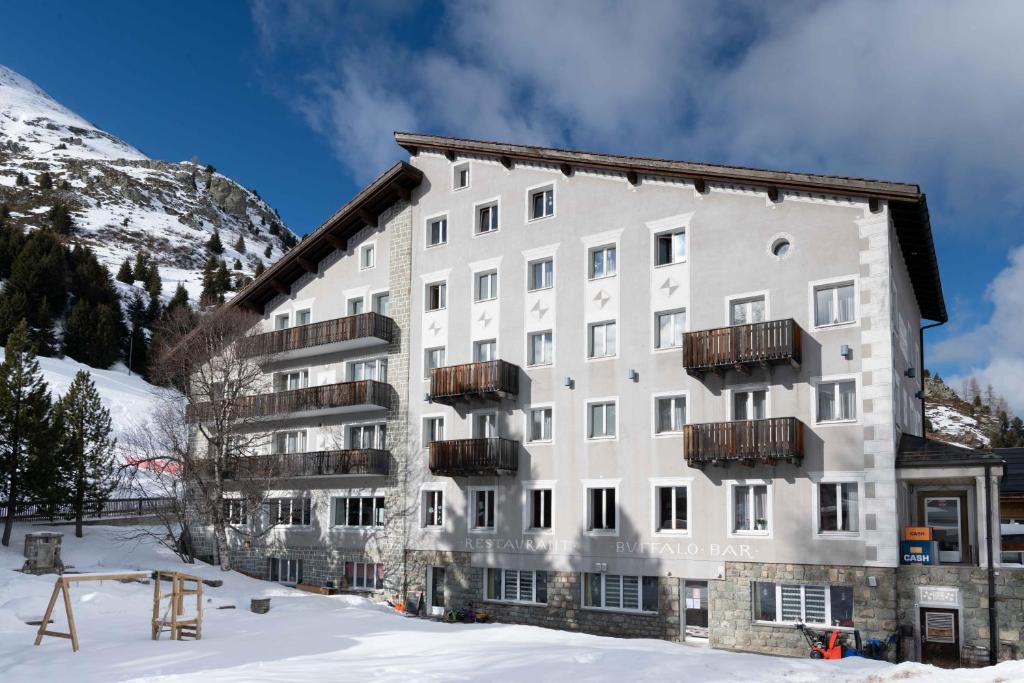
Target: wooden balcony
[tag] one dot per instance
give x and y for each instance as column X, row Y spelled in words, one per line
column 490, row 381
column 344, row 397
column 474, row 457
column 750, row 442
column 350, row 332
column 742, row 346
column 351, row 462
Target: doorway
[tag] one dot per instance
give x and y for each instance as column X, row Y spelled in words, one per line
column 943, row 514
column 695, row 611
column 940, row 637
column 435, row 591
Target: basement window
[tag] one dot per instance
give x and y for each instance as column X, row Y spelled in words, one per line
column 792, row 603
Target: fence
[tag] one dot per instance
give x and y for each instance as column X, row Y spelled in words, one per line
column 115, row 507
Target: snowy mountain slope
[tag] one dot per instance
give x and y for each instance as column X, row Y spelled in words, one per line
column 954, row 420
column 122, row 201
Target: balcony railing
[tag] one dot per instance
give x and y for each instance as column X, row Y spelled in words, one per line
column 364, row 327
column 474, row 457
column 742, row 346
column 357, row 461
column 489, row 380
column 750, row 442
column 364, row 394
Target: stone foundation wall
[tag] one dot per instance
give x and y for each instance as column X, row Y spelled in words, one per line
column 464, row 584
column 731, row 605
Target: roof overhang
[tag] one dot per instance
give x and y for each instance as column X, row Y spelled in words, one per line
column 907, row 203
column 397, row 183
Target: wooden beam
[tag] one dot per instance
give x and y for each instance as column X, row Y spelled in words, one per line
column 306, row 265
column 368, row 218
column 506, row 162
column 742, row 369
column 700, row 185
column 449, row 155
column 339, row 243
column 773, row 194
column 566, row 170
column 403, row 192
column 280, row 287
column 874, row 204
column 633, row 177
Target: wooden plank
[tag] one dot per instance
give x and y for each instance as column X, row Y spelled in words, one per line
column 71, row 616
column 49, row 613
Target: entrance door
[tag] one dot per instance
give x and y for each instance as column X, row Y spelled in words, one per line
column 435, row 586
column 943, row 516
column 940, row 640
column 695, row 614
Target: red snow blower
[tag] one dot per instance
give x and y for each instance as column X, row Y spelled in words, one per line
column 823, row 646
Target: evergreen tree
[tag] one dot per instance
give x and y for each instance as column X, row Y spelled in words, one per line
column 141, row 269
column 210, row 170
column 268, row 251
column 124, row 273
column 240, row 244
column 39, row 272
column 11, row 242
column 24, row 422
column 45, row 180
column 180, row 298
column 259, row 268
column 21, row 180
column 154, row 309
column 139, row 317
column 211, row 293
column 78, row 332
column 42, row 334
column 237, row 265
column 13, row 309
column 223, row 279
column 154, row 284
column 106, row 342
column 61, row 220
column 84, row 445
column 214, row 245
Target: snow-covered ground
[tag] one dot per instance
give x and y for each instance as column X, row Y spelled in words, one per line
column 343, row 638
column 947, row 420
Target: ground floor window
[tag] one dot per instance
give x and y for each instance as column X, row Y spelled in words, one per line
column 792, row 603
column 234, row 512
column 616, row 591
column 364, row 576
column 363, row 511
column 290, row 511
column 285, row 570
column 516, row 585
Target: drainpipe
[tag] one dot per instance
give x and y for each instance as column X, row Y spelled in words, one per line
column 993, row 641
column 920, row 348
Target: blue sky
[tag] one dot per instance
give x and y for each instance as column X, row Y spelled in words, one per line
column 298, row 100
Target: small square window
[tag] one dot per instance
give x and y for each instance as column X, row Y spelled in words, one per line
column 542, row 203
column 483, row 509
column 745, row 311
column 281, row 321
column 601, row 420
column 303, row 317
column 541, row 275
column 433, row 509
column 382, row 303
column 367, row 257
column 602, row 340
column 356, row 306
column 671, row 508
column 670, row 247
column 750, row 509
column 460, row 177
column 433, row 430
column 834, row 304
column 487, row 219
column 602, row 262
column 837, row 401
column 437, row 296
column 601, row 512
column 432, row 359
column 669, row 327
column 437, row 231
column 540, row 424
column 540, row 510
column 485, row 350
column 541, row 348
column 838, row 507
column 487, row 286
column 670, row 414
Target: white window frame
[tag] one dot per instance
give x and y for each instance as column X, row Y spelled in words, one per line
column 342, row 501
column 282, row 321
column 376, row 298
column 302, row 440
column 365, row 567
column 309, row 314
column 492, row 278
column 380, row 428
column 379, row 365
column 655, row 398
column 480, row 206
column 815, row 285
column 428, row 226
column 604, row 593
column 675, row 482
column 589, row 350
column 803, row 604
column 305, row 501
column 236, row 508
column 477, row 344
column 472, row 492
column 588, row 485
column 829, row 379
column 429, row 489
column 747, row 297
column 527, row 505
column 425, row 430
column 426, row 359
column 655, row 237
column 371, row 249
column 531, row 362
column 513, row 601
column 530, row 191
column 656, row 332
column 529, row 423
column 442, row 294
column 769, row 531
column 613, row 400
column 530, row 263
column 351, row 304
column 730, row 407
column 292, row 566
column 285, row 374
column 819, row 479
column 457, row 168
column 493, row 413
column 590, row 260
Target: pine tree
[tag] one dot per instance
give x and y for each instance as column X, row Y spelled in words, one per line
column 78, row 329
column 211, row 294
column 124, row 273
column 154, row 309
column 21, row 180
column 39, row 272
column 141, row 269
column 61, row 220
column 268, row 251
column 107, row 336
column 259, row 268
column 84, row 445
column 237, row 265
column 154, row 285
column 223, row 279
column 13, row 309
column 214, row 245
column 45, row 180
column 24, row 422
column 240, row 244
column 180, row 298
column 42, row 335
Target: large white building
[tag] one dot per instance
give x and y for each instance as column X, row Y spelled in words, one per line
column 619, row 395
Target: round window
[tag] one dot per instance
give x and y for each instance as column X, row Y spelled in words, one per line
column 780, row 248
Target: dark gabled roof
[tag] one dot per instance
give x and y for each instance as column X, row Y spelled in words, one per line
column 907, row 203
column 915, row 451
column 395, row 183
column 1013, row 479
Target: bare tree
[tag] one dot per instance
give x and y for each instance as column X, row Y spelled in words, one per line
column 211, row 430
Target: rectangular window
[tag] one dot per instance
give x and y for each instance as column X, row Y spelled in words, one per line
column 601, row 511
column 485, row 350
column 284, row 570
column 542, row 203
column 487, row 219
column 361, row 511
column 290, row 442
column 290, row 511
column 235, row 511
column 542, row 275
column 364, row 576
column 793, row 603
column 540, row 424
column 371, row 368
column 437, row 296
column 287, row 381
column 382, row 303
column 750, row 405
column 672, row 510
column 367, row 436
column 837, row 401
column 745, row 311
column 516, row 585
column 433, row 430
column 437, row 231
column 837, row 507
column 356, row 306
column 486, row 286
column 281, row 321
column 621, row 592
column 669, row 327
column 303, row 317
column 671, row 247
column 540, row 509
column 433, row 359
column 541, row 350
column 483, row 509
column 461, row 177
column 834, row 304
column 750, row 508
column 602, row 262
column 485, row 425
column 601, row 340
column 367, row 258
column 601, row 417
column 433, row 508
column 671, row 414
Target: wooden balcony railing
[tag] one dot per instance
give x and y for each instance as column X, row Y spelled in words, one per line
column 741, row 346
column 490, row 380
column 357, row 461
column 474, row 457
column 750, row 442
column 350, row 328
column 364, row 393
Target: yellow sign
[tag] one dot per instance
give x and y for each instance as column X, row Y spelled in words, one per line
column 917, row 533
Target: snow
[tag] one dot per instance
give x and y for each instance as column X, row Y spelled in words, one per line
column 346, row 638
column 948, row 421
